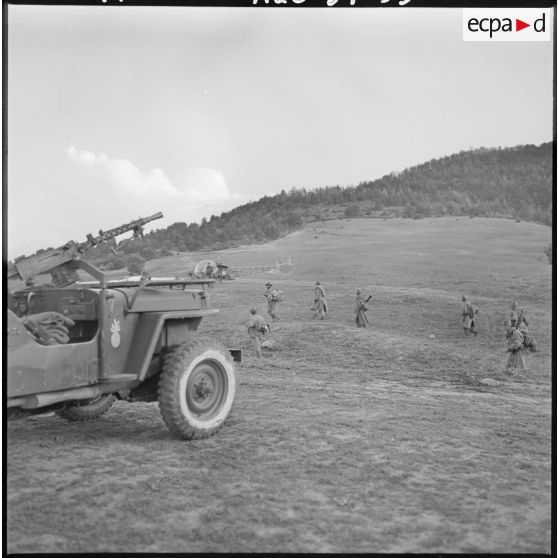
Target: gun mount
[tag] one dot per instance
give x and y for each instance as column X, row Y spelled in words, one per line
column 63, row 262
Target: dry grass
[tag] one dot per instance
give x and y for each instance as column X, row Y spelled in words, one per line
column 343, row 440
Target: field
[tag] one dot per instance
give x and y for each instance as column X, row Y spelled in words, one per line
column 403, row 437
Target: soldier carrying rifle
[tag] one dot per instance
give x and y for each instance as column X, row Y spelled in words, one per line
column 273, row 296
column 361, row 320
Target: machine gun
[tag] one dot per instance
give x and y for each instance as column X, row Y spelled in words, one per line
column 62, row 262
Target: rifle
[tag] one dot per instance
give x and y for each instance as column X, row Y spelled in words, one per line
column 363, row 305
column 61, row 262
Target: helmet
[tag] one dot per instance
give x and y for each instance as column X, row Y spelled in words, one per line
column 253, row 310
column 269, row 284
column 464, row 298
column 514, row 305
column 358, row 291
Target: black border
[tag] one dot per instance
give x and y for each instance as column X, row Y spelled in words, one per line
column 300, row 4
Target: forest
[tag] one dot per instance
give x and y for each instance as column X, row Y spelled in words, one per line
column 486, row 182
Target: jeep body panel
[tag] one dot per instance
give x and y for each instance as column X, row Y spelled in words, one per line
column 157, row 330
column 36, row 368
column 113, row 342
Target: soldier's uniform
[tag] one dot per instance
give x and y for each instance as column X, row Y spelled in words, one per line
column 361, row 320
column 517, row 317
column 468, row 312
column 319, row 291
column 319, row 305
column 519, row 321
column 271, row 303
column 516, row 358
column 256, row 326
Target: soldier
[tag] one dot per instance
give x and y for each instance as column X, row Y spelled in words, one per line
column 519, row 321
column 272, row 297
column 319, row 291
column 361, row 320
column 319, row 305
column 516, row 358
column 468, row 312
column 256, row 328
column 517, row 317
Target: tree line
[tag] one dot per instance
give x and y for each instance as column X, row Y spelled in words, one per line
column 497, row 182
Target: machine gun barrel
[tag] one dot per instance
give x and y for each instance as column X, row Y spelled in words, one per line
column 27, row 268
column 135, row 226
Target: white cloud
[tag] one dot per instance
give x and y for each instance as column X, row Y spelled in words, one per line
column 193, row 186
column 203, row 184
column 193, row 194
column 83, row 157
column 125, row 175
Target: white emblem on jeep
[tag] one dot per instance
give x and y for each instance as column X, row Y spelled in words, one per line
column 115, row 330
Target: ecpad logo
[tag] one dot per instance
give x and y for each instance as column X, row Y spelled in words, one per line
column 507, row 24
column 494, row 24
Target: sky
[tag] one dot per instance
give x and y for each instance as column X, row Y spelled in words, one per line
column 119, row 112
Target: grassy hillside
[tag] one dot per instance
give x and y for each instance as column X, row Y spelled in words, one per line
column 417, row 272
column 514, row 182
column 404, row 437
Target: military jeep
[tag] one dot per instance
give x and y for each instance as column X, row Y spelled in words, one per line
column 133, row 339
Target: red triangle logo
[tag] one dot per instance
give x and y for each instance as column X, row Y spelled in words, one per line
column 519, row 25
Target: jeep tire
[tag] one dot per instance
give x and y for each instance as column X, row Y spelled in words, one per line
column 197, row 388
column 82, row 412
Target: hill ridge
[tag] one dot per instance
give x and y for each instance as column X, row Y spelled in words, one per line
column 514, row 182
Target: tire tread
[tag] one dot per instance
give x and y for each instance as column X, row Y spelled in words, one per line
column 168, row 387
column 86, row 413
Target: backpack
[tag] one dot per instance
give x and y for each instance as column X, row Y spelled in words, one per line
column 529, row 342
column 260, row 325
column 276, row 296
column 515, row 341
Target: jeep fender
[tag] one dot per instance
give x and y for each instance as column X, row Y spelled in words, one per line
column 158, row 330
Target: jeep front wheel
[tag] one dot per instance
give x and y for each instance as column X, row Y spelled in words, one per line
column 197, row 388
column 89, row 410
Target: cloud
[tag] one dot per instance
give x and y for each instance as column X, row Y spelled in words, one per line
column 196, row 185
column 193, row 194
column 123, row 174
column 203, row 185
